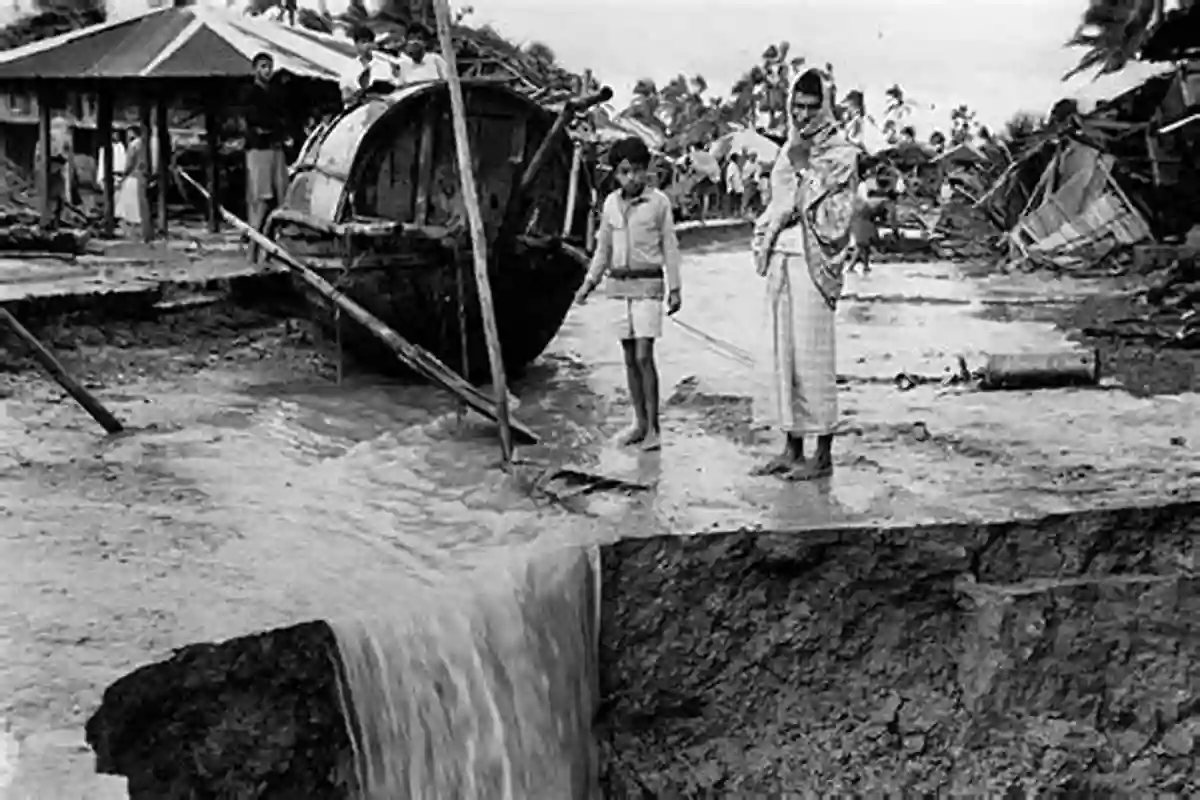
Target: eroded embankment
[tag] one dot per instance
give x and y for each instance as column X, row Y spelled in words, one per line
column 1057, row 653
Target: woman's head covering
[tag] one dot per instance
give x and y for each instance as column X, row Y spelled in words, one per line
column 816, row 83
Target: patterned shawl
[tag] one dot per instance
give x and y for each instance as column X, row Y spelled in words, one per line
column 813, row 186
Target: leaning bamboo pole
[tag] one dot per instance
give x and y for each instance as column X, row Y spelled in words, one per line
column 412, row 355
column 466, row 174
column 60, row 374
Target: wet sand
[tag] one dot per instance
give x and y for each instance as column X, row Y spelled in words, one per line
column 252, row 491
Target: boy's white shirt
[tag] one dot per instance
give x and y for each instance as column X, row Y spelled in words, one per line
column 432, row 68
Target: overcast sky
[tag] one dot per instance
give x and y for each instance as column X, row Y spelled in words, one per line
column 999, row 56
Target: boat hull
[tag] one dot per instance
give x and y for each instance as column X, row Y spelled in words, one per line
column 532, row 294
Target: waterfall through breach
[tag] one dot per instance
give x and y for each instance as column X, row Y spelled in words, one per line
column 485, row 693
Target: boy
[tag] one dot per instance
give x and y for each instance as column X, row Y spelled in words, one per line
column 364, row 74
column 416, row 62
column 637, row 248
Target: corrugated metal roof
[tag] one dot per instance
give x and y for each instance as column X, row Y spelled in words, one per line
column 187, row 42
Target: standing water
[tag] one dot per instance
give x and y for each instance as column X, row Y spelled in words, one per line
column 480, row 693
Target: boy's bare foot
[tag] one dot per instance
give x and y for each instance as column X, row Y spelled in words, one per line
column 652, row 442
column 631, row 435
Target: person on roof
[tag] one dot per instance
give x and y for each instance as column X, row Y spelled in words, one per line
column 417, row 63
column 266, row 112
column 365, row 74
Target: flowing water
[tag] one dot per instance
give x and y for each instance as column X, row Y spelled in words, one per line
column 480, row 694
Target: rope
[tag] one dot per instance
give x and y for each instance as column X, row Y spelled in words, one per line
column 718, row 346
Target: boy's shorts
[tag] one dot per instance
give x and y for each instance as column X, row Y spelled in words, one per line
column 638, row 318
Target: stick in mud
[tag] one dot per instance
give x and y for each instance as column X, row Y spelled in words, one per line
column 56, row 370
column 414, row 356
column 470, row 195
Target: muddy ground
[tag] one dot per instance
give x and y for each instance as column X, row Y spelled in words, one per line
column 120, row 552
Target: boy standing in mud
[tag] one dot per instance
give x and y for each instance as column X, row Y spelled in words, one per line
column 636, row 247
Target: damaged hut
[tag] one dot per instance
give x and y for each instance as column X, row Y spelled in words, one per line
column 1126, row 172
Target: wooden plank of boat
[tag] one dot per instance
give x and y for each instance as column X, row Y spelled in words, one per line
column 414, row 356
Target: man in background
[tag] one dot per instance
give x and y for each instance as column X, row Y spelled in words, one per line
column 118, row 160
column 750, row 172
column 417, row 63
column 266, row 113
column 734, row 187
column 708, row 178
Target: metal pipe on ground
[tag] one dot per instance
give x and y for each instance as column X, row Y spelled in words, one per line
column 1041, row 370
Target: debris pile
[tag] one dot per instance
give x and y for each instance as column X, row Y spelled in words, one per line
column 1165, row 313
column 965, row 233
column 20, row 223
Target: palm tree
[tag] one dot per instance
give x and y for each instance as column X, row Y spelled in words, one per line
column 1113, row 31
column 962, row 125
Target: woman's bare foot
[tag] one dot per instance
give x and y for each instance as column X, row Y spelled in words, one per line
column 652, row 442
column 810, row 470
column 632, row 435
column 778, row 465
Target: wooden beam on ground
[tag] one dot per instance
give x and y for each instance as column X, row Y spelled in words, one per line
column 470, row 194
column 104, row 122
column 414, row 356
column 56, row 370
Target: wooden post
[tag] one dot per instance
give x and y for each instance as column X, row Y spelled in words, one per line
column 162, row 147
column 212, row 128
column 466, row 173
column 51, row 364
column 576, row 163
column 104, row 122
column 147, row 145
column 425, row 156
column 44, row 170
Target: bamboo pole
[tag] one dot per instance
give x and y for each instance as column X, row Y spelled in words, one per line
column 466, row 172
column 414, row 356
column 572, row 191
column 59, row 373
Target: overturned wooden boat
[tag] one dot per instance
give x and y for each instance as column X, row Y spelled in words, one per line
column 374, row 204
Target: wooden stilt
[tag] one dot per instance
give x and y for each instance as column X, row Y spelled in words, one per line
column 212, row 128
column 147, row 143
column 470, row 194
column 104, row 121
column 56, row 370
column 162, row 152
column 414, row 356
column 44, row 170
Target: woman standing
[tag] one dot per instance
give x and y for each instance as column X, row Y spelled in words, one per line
column 802, row 244
column 129, row 201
